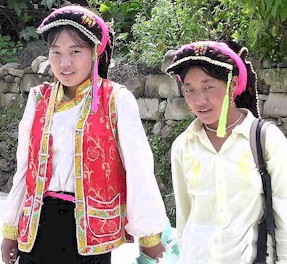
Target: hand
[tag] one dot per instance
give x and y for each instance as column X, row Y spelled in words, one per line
column 155, row 252
column 9, row 250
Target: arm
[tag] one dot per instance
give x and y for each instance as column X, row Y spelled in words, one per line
column 12, row 209
column 182, row 199
column 276, row 153
column 145, row 208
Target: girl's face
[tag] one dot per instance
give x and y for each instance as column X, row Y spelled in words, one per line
column 204, row 95
column 71, row 62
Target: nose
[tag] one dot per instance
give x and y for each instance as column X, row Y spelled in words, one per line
column 200, row 98
column 65, row 61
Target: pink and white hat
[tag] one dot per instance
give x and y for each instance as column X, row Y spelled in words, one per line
column 90, row 25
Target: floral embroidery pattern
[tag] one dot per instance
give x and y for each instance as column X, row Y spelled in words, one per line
column 26, row 243
column 100, row 223
column 89, row 20
column 80, row 94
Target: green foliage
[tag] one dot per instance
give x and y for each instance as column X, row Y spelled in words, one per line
column 173, row 23
column 8, row 49
column 267, row 31
column 48, row 3
column 145, row 30
column 17, row 5
column 18, row 21
column 122, row 15
column 9, row 120
column 28, row 33
column 161, row 147
column 161, row 150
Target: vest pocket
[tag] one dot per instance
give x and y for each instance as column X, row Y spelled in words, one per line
column 25, row 220
column 104, row 218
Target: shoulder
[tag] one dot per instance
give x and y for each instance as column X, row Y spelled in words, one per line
column 40, row 90
column 111, row 84
column 186, row 136
column 117, row 90
column 275, row 142
column 274, row 133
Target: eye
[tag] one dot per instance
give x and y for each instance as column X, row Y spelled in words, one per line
column 75, row 51
column 208, row 87
column 54, row 52
column 189, row 90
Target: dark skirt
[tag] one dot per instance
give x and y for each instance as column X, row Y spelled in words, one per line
column 56, row 239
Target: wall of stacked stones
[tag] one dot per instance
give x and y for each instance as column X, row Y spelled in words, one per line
column 158, row 95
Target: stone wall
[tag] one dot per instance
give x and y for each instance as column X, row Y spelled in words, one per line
column 158, row 96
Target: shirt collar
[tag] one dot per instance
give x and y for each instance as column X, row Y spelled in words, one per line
column 196, row 127
column 244, row 127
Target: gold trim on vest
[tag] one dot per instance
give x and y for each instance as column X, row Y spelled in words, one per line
column 35, row 205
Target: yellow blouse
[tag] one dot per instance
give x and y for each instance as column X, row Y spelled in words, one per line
column 219, row 198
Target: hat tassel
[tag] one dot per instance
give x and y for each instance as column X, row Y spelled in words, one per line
column 95, row 82
column 221, row 129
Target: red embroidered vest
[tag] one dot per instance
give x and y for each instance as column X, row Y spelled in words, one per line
column 100, row 187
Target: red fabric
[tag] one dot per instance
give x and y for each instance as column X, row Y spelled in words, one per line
column 104, row 177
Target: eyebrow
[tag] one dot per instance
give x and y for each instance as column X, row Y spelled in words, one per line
column 70, row 47
column 203, row 81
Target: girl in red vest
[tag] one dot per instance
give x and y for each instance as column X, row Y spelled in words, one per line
column 84, row 183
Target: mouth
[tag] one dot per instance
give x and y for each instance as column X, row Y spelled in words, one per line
column 203, row 111
column 67, row 73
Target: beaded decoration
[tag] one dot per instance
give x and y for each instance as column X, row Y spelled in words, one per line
column 65, row 22
column 87, row 23
column 256, row 90
column 200, row 49
column 170, row 68
column 150, row 241
column 221, row 130
column 90, row 21
column 10, row 232
column 240, row 52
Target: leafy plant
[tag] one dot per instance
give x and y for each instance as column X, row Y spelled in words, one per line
column 161, row 150
column 173, row 23
column 9, row 120
column 267, row 31
column 28, row 33
column 122, row 16
column 8, row 49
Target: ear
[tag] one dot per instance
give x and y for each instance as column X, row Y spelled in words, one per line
column 234, row 84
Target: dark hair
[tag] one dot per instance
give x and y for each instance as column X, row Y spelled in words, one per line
column 104, row 59
column 74, row 33
column 248, row 98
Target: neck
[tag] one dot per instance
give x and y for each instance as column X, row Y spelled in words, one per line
column 70, row 92
column 230, row 126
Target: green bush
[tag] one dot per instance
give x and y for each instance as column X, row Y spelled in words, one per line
column 8, row 49
column 121, row 14
column 174, row 23
column 9, row 120
column 267, row 30
column 161, row 150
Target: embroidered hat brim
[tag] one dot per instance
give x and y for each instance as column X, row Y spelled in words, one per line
column 91, row 26
column 88, row 23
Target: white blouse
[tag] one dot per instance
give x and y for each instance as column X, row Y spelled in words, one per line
column 143, row 196
column 219, row 196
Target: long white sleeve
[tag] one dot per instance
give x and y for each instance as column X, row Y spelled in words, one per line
column 143, row 195
column 145, row 208
column 12, row 209
column 276, row 153
column 182, row 199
